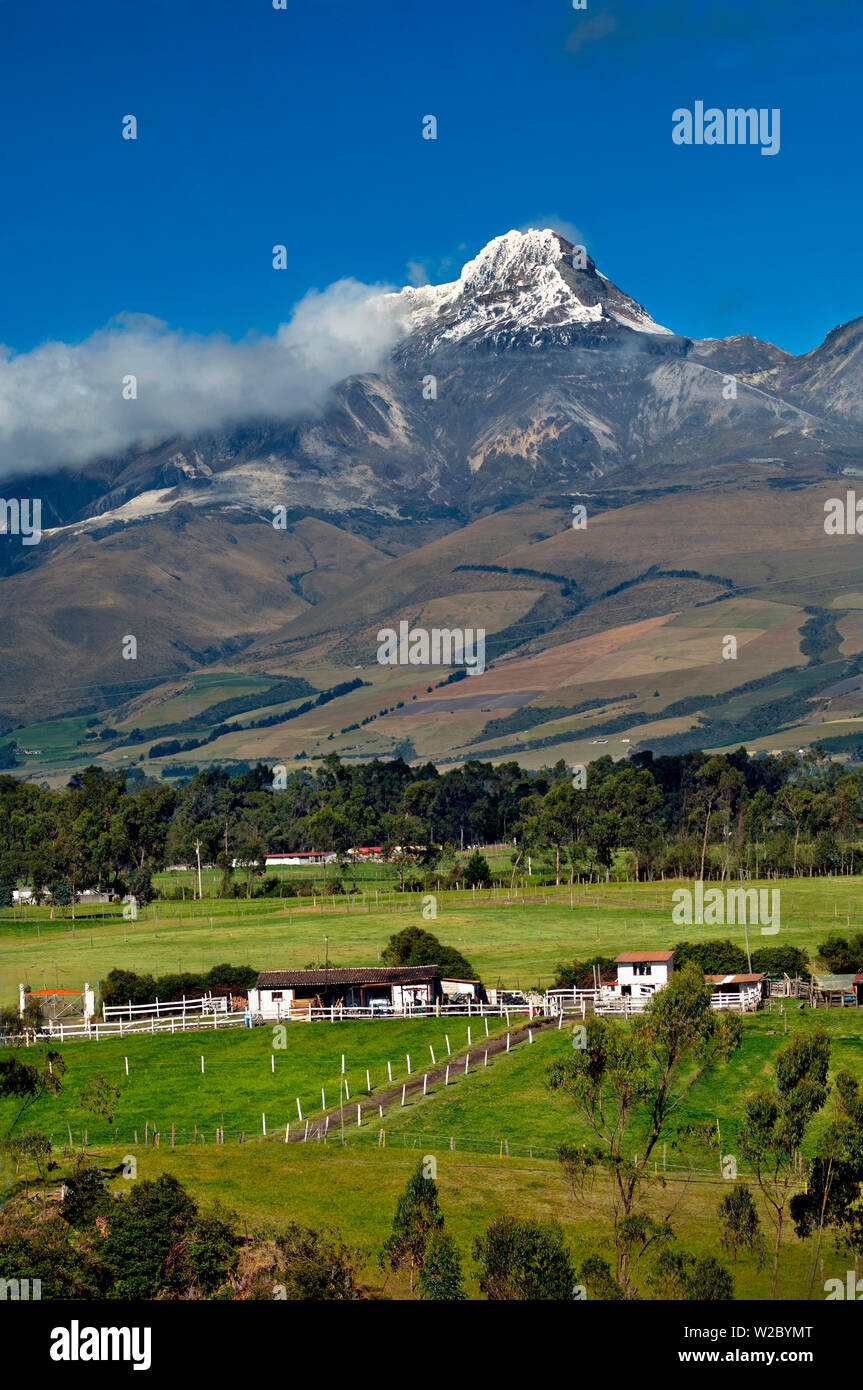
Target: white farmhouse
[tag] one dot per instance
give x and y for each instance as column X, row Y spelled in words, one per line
column 640, row 973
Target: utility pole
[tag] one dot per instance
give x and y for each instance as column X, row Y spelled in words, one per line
column 198, row 853
column 746, row 930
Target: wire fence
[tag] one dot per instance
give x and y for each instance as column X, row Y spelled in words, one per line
column 342, row 1130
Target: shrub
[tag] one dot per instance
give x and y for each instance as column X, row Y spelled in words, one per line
column 414, row 946
column 313, row 1266
column 524, row 1260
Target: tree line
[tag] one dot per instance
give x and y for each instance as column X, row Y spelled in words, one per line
column 683, row 815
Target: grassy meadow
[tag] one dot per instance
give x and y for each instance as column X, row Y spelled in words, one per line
column 246, row 1074
column 511, row 945
column 494, row 1133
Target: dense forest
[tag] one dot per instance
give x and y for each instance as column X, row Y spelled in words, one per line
column 688, row 814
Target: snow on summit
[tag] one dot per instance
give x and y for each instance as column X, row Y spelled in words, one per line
column 534, row 284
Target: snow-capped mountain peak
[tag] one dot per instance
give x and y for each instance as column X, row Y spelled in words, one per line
column 531, row 286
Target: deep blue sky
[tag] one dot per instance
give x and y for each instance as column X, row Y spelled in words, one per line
column 259, row 126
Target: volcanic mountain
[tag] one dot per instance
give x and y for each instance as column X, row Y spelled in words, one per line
column 442, row 487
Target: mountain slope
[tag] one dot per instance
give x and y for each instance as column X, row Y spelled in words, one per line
column 530, row 383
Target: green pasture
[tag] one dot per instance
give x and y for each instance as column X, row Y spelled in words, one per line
column 55, row 738
column 247, row 1074
column 494, row 1134
column 514, row 946
column 354, row 1189
column 197, row 694
column 526, row 1120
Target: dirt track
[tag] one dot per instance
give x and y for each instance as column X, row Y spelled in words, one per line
column 370, row 1105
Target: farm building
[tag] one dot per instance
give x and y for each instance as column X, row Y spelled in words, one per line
column 461, row 989
column 643, row 972
column 833, row 991
column 858, row 989
column 296, row 859
column 279, row 992
column 299, row 858
column 744, row 992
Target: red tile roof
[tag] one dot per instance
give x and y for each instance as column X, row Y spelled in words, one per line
column 630, row 957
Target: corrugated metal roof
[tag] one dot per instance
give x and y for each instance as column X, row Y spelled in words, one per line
column 370, row 975
column 735, row 979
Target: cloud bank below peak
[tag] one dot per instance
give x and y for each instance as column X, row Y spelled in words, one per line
column 63, row 405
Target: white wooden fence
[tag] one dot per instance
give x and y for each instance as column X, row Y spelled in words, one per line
column 745, row 1000
column 572, row 1000
column 604, row 1001
column 622, row 1004
column 206, row 1004
column 97, row 1032
column 295, row 1013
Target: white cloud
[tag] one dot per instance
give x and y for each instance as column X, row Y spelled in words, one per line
column 63, row 404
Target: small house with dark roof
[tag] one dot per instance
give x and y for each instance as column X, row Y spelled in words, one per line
column 285, row 993
column 640, row 973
